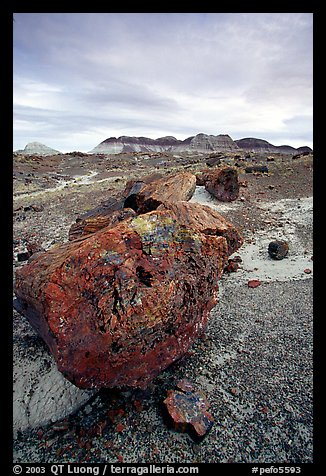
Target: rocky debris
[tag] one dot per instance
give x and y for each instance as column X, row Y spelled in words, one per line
column 303, row 151
column 171, row 189
column 23, row 256
column 223, row 184
column 188, row 410
column 278, row 249
column 214, row 160
column 263, row 169
column 119, row 306
column 23, row 249
column 33, row 207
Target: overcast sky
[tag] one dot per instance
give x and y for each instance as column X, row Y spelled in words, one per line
column 80, row 78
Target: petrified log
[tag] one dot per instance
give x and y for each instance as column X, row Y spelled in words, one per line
column 167, row 189
column 133, row 187
column 223, row 184
column 119, row 306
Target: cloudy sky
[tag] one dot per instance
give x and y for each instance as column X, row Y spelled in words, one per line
column 80, row 78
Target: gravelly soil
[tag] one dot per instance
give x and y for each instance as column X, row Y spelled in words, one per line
column 254, row 363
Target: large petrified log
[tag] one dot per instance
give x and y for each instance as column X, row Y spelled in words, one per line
column 119, row 306
column 140, row 196
column 172, row 189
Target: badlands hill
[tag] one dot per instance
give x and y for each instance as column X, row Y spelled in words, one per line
column 36, row 148
column 198, row 143
column 259, row 145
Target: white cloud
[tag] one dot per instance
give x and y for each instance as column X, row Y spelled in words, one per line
column 157, row 74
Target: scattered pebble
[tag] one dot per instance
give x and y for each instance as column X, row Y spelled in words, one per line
column 278, row 249
column 254, row 283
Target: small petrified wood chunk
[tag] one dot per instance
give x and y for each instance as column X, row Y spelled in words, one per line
column 119, row 306
column 188, row 411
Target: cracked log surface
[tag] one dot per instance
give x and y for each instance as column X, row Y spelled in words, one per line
column 119, row 306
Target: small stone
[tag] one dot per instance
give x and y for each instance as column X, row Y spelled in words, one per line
column 185, row 385
column 278, row 249
column 138, row 405
column 60, row 426
column 188, row 411
column 254, row 283
column 231, row 267
column 120, row 427
column 37, row 208
column 234, row 391
column 23, row 256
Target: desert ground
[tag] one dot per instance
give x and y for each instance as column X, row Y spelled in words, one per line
column 254, row 363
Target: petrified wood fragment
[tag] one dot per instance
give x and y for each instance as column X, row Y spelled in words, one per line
column 188, row 410
column 98, row 219
column 119, row 306
column 223, row 184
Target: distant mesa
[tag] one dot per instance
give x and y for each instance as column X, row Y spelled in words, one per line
column 36, row 148
column 199, row 143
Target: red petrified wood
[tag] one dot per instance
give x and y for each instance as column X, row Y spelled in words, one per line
column 119, row 306
column 223, row 184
